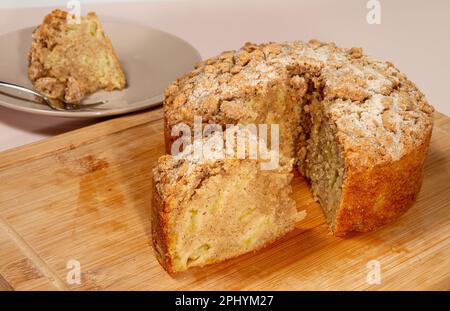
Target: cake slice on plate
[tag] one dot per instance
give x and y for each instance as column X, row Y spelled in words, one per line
column 71, row 60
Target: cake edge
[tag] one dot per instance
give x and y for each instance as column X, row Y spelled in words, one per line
column 399, row 181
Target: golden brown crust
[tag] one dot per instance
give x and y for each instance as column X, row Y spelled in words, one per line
column 374, row 196
column 159, row 230
column 168, row 138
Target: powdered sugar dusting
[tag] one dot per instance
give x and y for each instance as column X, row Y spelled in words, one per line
column 366, row 97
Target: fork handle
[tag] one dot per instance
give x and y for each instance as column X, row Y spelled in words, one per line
column 23, row 89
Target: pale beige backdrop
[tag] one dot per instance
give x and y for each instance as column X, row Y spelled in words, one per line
column 413, row 34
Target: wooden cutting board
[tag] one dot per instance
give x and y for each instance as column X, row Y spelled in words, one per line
column 85, row 196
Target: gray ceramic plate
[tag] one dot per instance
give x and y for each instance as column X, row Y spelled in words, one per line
column 150, row 58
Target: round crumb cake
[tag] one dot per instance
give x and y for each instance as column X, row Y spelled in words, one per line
column 357, row 128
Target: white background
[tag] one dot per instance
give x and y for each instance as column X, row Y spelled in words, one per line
column 413, row 34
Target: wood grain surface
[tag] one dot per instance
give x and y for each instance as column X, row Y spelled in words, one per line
column 4, row 286
column 85, row 196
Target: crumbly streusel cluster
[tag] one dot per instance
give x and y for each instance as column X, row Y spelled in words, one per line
column 379, row 114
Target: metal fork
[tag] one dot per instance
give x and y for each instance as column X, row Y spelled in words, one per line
column 55, row 104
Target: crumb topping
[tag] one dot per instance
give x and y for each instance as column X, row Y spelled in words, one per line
column 70, row 61
column 379, row 114
column 190, row 167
